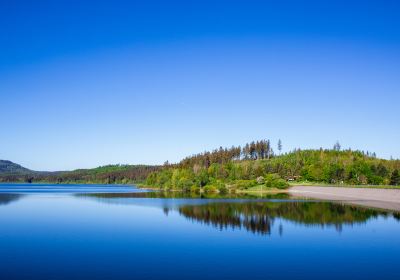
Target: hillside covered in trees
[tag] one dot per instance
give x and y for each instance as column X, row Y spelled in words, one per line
column 10, row 168
column 252, row 166
column 256, row 164
column 110, row 174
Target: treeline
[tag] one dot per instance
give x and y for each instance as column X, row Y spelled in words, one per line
column 251, row 151
column 110, row 174
column 337, row 167
column 255, row 166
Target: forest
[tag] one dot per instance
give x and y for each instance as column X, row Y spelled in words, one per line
column 251, row 167
column 109, row 174
column 255, row 165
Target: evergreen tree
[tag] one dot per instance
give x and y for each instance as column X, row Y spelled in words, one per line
column 395, row 179
column 337, row 146
column 268, row 148
column 279, row 146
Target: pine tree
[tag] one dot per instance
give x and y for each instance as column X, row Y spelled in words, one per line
column 268, row 148
column 279, row 146
column 252, row 150
column 395, row 179
column 337, row 146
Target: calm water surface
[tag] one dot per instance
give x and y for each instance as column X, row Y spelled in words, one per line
column 119, row 232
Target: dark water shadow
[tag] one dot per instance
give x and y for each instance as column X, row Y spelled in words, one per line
column 7, row 198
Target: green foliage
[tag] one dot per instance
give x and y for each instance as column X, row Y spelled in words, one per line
column 236, row 168
column 109, row 174
column 275, row 181
column 210, row 189
column 245, row 184
column 223, row 189
column 395, row 178
column 323, row 166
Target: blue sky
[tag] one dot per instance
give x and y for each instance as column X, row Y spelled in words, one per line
column 88, row 83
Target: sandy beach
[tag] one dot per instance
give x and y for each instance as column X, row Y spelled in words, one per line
column 377, row 198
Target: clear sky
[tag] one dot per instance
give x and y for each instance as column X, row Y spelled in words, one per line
column 88, row 83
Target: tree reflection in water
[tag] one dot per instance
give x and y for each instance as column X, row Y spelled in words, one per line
column 6, row 198
column 246, row 212
column 259, row 217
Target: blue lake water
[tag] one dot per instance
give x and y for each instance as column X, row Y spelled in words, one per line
column 120, row 232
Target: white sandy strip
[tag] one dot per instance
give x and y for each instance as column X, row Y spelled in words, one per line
column 379, row 198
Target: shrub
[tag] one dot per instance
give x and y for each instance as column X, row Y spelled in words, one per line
column 232, row 189
column 222, row 189
column 375, row 180
column 195, row 189
column 281, row 184
column 245, row 184
column 275, row 181
column 260, row 180
column 395, row 178
column 184, row 184
column 210, row 189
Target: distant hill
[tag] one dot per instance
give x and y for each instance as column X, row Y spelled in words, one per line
column 10, row 168
column 109, row 174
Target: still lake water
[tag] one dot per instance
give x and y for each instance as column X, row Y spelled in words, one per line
column 119, row 232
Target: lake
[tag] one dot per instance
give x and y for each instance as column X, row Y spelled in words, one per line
column 120, row 232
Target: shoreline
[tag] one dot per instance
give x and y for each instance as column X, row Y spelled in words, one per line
column 369, row 196
column 388, row 199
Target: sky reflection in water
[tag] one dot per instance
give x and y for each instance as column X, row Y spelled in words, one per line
column 150, row 236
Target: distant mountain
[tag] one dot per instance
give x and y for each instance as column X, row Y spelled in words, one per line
column 10, row 168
